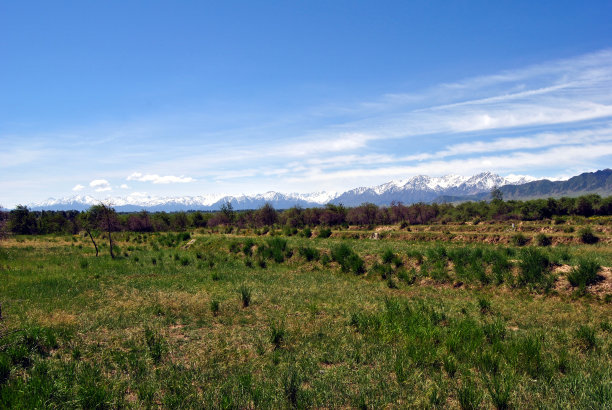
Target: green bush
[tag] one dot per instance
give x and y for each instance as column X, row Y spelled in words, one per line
column 325, row 233
column 278, row 334
column 534, row 268
column 214, row 307
column 348, row 260
column 519, row 239
column 155, row 344
column 543, row 240
column 584, row 274
column 587, row 236
column 245, row 295
column 388, row 256
column 306, row 232
column 309, row 253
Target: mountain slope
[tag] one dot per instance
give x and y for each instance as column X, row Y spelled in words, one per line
column 598, row 182
column 421, row 188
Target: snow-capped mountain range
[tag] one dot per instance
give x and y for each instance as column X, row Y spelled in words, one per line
column 420, row 188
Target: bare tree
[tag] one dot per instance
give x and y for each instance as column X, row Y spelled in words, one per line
column 109, row 222
column 88, row 221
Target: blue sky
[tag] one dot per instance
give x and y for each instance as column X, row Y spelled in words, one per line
column 118, row 98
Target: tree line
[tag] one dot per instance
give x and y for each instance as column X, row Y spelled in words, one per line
column 23, row 221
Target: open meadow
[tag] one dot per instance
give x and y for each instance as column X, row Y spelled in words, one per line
column 450, row 315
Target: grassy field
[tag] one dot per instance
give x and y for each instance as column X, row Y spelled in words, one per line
column 431, row 316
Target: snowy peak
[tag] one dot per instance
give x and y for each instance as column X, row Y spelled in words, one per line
column 419, row 188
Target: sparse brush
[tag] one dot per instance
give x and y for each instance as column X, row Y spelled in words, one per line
column 387, row 256
column 214, row 307
column 308, row 253
column 155, row 344
column 484, row 305
column 469, row 396
column 324, row 233
column 543, row 239
column 306, row 232
column 348, row 260
column 534, row 268
column 585, row 274
column 247, row 247
column 587, row 236
column 519, row 239
column 587, row 337
column 278, row 334
column 245, row 295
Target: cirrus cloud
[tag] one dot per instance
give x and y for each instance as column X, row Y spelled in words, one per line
column 157, row 179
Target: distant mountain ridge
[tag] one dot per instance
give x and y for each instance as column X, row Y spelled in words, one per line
column 598, row 182
column 421, row 188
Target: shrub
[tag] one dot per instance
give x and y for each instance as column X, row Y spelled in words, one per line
column 586, row 337
column 587, row 236
column 247, row 247
column 584, row 274
column 325, row 233
column 278, row 333
column 234, row 247
column 214, row 307
column 306, row 232
column 309, row 253
column 155, row 344
column 383, row 270
column 519, row 239
column 245, row 295
column 348, row 260
column 534, row 268
column 543, row 240
column 388, row 256
column 469, row 396
column 484, row 305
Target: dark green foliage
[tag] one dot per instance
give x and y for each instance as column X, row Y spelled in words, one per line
column 519, row 239
column 348, row 260
column 450, row 365
column 585, row 273
column 586, row 337
column 469, row 395
column 534, row 268
column 275, row 249
column 325, row 233
column 500, row 389
column 155, row 344
column 307, row 232
column 484, row 305
column 388, row 256
column 234, row 247
column 308, row 253
column 245, row 295
column 587, row 236
column 384, row 271
column 278, row 334
column 214, row 307
column 543, row 239
column 247, row 247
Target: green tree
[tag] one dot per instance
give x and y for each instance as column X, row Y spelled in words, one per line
column 22, row 221
column 497, row 195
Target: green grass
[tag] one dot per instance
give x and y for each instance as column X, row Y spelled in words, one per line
column 328, row 322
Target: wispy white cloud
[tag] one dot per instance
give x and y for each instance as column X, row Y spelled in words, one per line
column 124, row 186
column 78, row 187
column 157, row 179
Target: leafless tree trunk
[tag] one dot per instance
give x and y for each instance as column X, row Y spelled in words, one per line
column 107, row 214
column 92, row 240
